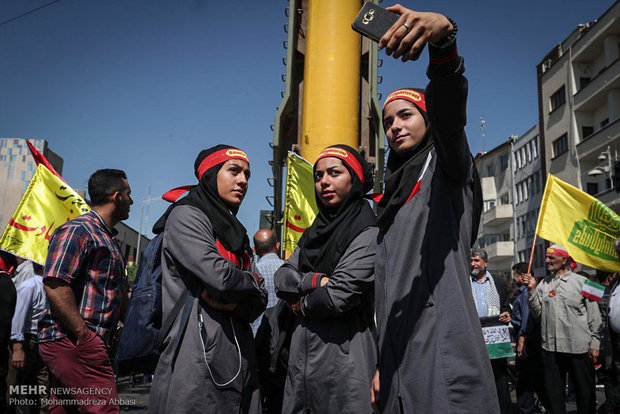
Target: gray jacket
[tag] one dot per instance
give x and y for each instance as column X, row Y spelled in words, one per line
column 570, row 322
column 432, row 356
column 191, row 259
column 333, row 350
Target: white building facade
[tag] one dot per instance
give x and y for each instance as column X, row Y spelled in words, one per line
column 528, row 176
column 579, row 107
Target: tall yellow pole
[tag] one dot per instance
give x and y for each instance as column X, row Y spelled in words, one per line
column 331, row 77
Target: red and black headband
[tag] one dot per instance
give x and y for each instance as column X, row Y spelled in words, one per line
column 411, row 95
column 346, row 157
column 212, row 160
column 560, row 251
column 219, row 157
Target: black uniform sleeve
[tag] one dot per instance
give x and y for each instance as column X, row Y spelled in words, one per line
column 446, row 101
column 287, row 279
column 353, row 276
column 189, row 243
column 256, row 303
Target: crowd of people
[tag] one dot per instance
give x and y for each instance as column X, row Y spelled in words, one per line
column 370, row 312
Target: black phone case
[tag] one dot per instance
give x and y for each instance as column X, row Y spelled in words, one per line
column 373, row 21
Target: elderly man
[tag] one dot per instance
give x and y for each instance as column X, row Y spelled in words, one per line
column 570, row 328
column 266, row 247
column 491, row 298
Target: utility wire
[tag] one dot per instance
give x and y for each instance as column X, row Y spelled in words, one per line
column 27, row 13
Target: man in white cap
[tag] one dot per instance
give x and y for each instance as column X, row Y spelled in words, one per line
column 570, row 327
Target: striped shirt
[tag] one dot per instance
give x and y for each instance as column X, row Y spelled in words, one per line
column 83, row 253
column 267, row 266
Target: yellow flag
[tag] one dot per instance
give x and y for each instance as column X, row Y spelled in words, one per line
column 582, row 224
column 47, row 203
column 299, row 202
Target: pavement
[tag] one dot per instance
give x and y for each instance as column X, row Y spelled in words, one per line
column 134, row 395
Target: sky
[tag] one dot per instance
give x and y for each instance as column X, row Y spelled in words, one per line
column 144, row 85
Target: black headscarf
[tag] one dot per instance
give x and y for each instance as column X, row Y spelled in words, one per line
column 204, row 196
column 403, row 171
column 333, row 229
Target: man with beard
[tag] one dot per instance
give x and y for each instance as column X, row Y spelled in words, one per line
column 491, row 298
column 570, row 327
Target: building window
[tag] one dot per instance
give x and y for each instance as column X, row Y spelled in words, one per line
column 560, row 146
column 558, row 98
column 503, row 200
column 13, row 158
column 583, row 82
column 535, row 148
column 514, row 162
column 528, row 152
column 22, row 175
column 526, row 189
column 491, row 170
column 15, row 143
column 604, row 122
column 503, row 162
column 29, row 167
column 586, row 131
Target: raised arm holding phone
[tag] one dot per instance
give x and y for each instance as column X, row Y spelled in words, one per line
column 432, row 357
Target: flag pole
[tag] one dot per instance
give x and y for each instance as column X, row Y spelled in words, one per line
column 529, row 266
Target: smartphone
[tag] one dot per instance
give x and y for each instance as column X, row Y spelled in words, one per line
column 373, row 21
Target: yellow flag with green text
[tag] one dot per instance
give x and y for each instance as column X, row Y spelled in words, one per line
column 586, row 227
column 299, row 202
column 47, row 203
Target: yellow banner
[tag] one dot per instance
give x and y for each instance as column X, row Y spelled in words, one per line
column 299, row 202
column 46, row 204
column 582, row 224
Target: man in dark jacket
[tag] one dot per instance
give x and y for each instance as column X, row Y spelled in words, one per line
column 8, row 298
column 491, row 298
column 530, row 375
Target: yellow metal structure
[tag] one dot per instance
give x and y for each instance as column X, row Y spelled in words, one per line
column 330, row 113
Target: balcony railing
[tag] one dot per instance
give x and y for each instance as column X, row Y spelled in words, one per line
column 598, row 141
column 608, row 78
column 501, row 250
column 497, row 215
